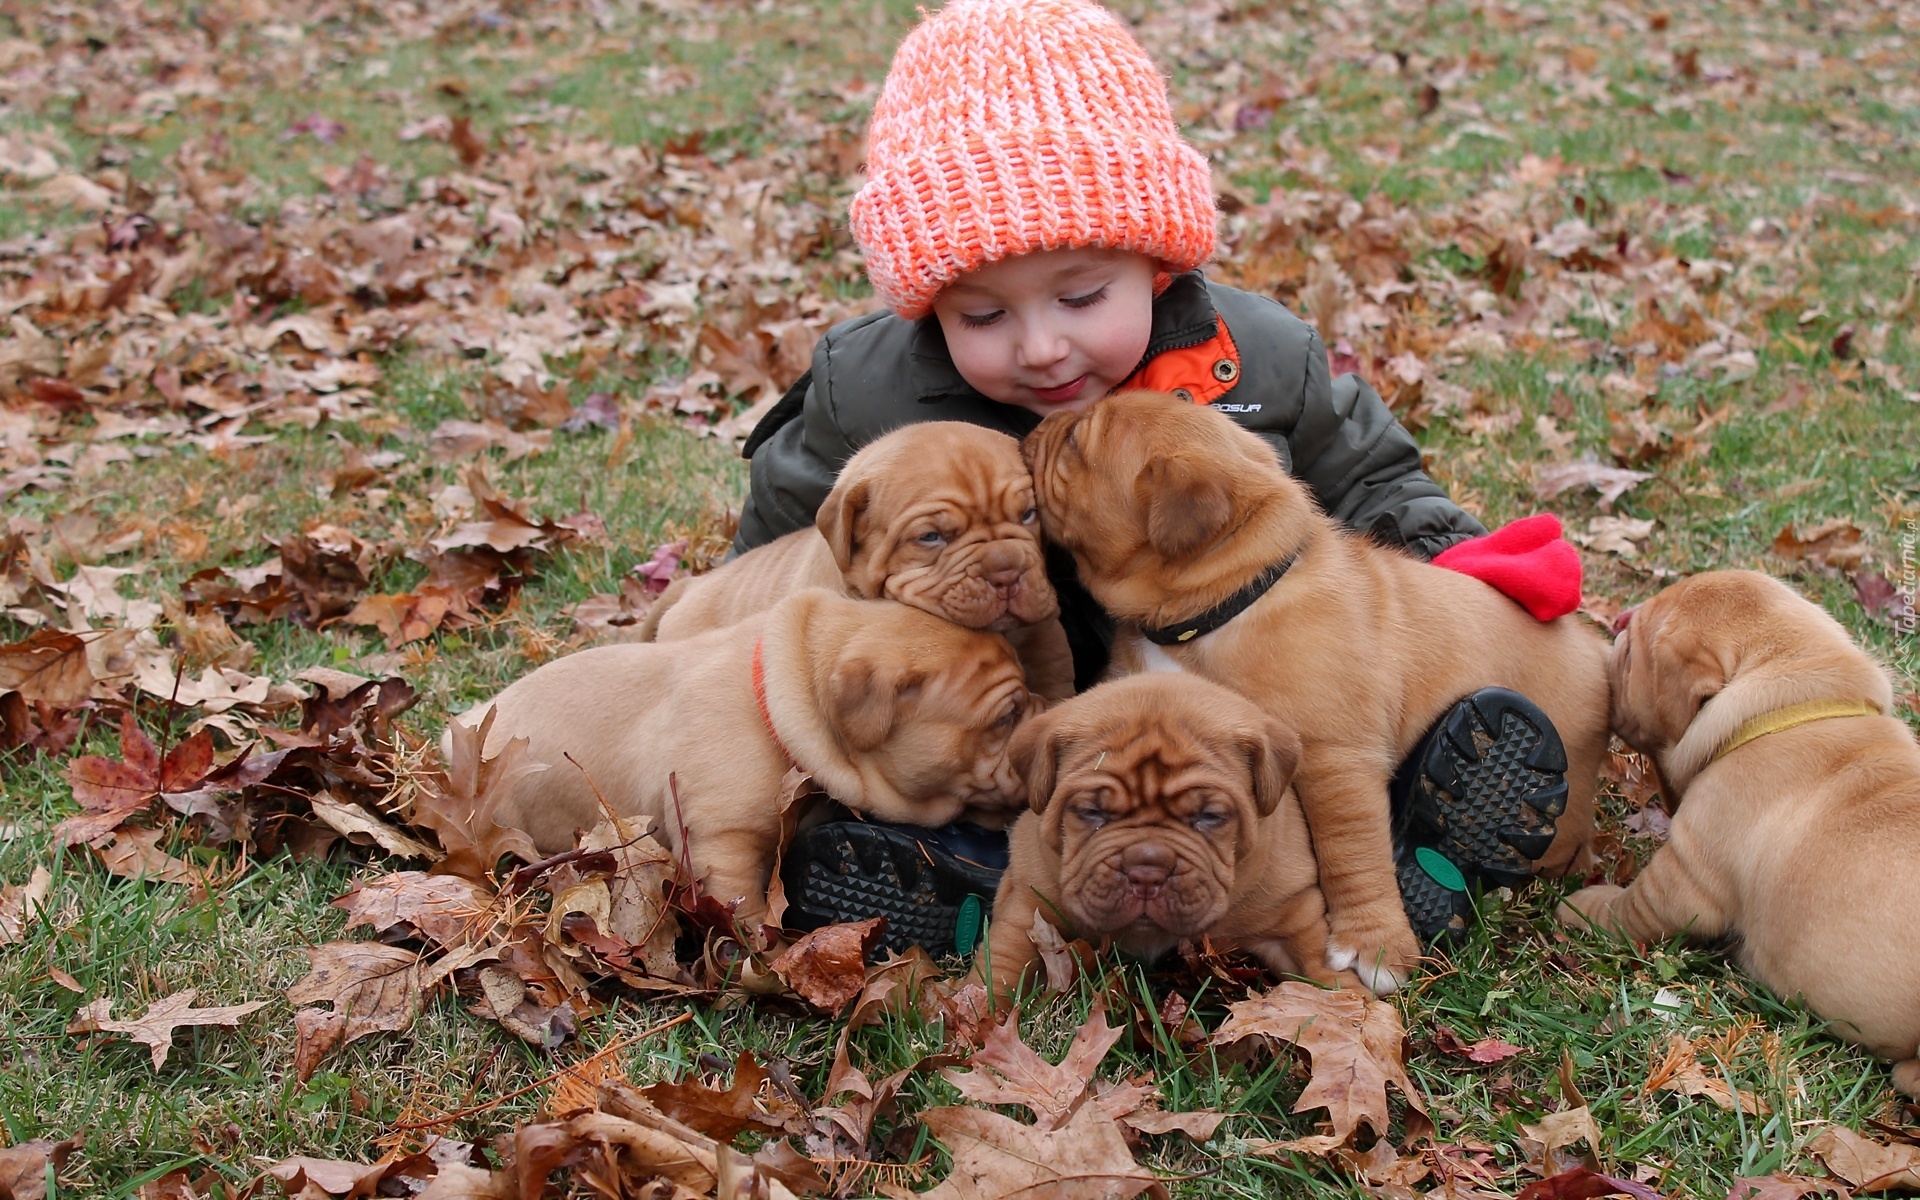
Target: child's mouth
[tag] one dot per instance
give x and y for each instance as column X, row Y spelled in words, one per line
column 1063, row 393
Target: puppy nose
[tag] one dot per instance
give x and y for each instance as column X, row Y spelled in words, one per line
column 1626, row 616
column 1001, row 566
column 1147, row 868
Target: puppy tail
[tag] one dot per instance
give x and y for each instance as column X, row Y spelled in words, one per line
column 1906, row 1077
column 648, row 626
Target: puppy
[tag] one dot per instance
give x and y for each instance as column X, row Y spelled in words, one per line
column 1804, row 841
column 895, row 713
column 1161, row 810
column 938, row 515
column 1170, row 509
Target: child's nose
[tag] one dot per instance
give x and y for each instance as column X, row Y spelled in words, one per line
column 1041, row 347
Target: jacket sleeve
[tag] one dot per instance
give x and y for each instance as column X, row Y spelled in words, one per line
column 1364, row 467
column 789, row 475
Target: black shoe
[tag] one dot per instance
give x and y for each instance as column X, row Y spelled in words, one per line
column 1475, row 803
column 934, row 886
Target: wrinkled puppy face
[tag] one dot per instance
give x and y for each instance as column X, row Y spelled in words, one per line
column 1151, row 789
column 940, row 515
column 1679, row 650
column 1144, row 480
column 929, row 709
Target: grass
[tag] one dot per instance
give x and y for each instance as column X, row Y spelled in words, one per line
column 1825, row 148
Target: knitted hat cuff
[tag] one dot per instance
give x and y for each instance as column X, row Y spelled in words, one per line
column 927, row 217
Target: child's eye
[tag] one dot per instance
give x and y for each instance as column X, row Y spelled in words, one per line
column 979, row 321
column 1087, row 301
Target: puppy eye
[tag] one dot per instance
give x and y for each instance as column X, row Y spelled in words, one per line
column 1030, row 516
column 1094, row 817
column 933, row 537
column 1208, row 821
column 1011, row 717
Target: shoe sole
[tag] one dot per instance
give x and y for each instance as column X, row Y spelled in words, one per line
column 853, row 871
column 1492, row 787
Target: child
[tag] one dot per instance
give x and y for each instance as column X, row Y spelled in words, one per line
column 1034, row 223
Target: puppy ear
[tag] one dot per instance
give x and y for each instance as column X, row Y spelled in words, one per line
column 1688, row 671
column 1276, row 755
column 839, row 520
column 1034, row 753
column 1188, row 507
column 867, row 697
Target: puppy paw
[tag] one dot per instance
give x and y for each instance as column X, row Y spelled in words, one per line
column 1587, row 908
column 1379, row 972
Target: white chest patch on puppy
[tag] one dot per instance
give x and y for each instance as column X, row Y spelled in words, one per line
column 1153, row 658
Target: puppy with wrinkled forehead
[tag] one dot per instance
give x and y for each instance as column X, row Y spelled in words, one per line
column 1171, row 509
column 1161, row 810
column 938, row 515
column 1797, row 803
column 898, row 714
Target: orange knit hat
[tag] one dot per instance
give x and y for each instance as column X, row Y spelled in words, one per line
column 1009, row 126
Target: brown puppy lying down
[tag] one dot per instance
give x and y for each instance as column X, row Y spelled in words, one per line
column 1161, row 811
column 939, row 515
column 1171, row 508
column 896, row 713
column 1803, row 842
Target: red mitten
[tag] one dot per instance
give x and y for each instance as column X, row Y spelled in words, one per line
column 1526, row 560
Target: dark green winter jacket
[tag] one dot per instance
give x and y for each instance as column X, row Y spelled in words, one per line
column 1245, row 354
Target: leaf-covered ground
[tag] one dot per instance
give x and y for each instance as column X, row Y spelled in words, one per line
column 358, row 358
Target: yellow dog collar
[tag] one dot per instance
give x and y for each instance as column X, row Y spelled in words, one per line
column 1787, row 718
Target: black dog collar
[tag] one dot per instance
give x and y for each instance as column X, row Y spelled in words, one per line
column 1221, row 613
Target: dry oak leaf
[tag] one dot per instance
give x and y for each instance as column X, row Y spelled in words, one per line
column 998, row 1158
column 20, row 904
column 356, row 824
column 1008, row 1071
column 1868, row 1165
column 1558, row 1131
column 1781, row 1187
column 446, row 908
column 49, row 667
column 460, row 812
column 828, row 967
column 375, row 988
column 1611, row 482
column 1829, row 546
column 723, row 1114
column 320, row 1178
column 23, row 1168
column 1680, row 1071
column 1356, row 1045
column 1580, row 1183
column 136, row 854
column 155, row 1028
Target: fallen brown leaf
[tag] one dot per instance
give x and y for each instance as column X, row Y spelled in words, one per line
column 372, row 988
column 828, row 967
column 1868, row 1165
column 155, row 1028
column 1583, row 1184
column 49, row 667
column 23, row 1168
column 1680, row 1071
column 997, row 1158
column 1611, row 482
column 723, row 1114
column 458, row 807
column 20, row 904
column 1778, row 1186
column 1830, row 547
column 1356, row 1046
column 1007, row 1071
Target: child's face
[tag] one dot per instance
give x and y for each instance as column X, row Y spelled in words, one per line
column 1052, row 330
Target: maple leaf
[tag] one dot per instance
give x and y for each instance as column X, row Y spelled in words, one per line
column 1008, row 1071
column 723, row 1114
column 112, row 790
column 49, row 667
column 1868, row 1165
column 23, row 1168
column 997, row 1158
column 828, row 966
column 458, row 808
column 155, row 1028
column 1355, row 1044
